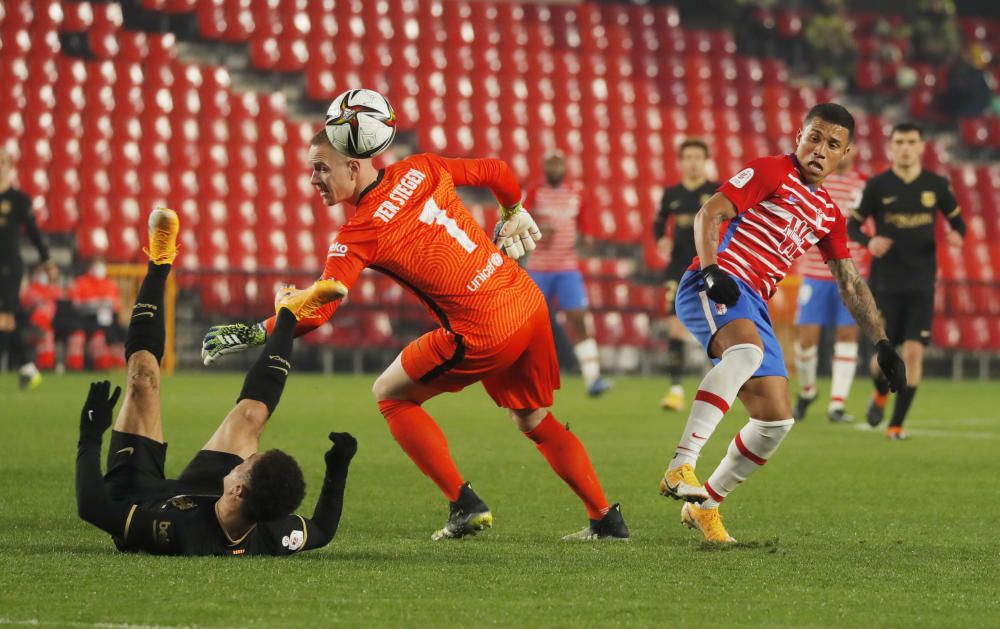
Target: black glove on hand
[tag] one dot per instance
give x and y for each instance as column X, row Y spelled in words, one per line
column 96, row 415
column 891, row 365
column 719, row 286
column 344, row 448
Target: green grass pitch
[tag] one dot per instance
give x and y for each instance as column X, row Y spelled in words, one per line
column 842, row 528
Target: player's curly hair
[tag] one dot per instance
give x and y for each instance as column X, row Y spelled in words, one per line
column 275, row 487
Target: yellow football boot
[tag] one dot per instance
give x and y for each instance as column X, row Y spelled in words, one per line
column 305, row 302
column 708, row 521
column 673, row 400
column 163, row 228
column 681, row 483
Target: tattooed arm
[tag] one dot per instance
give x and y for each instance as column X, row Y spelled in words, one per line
column 858, row 298
column 717, row 210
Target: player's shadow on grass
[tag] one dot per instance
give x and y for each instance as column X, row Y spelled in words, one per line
column 769, row 546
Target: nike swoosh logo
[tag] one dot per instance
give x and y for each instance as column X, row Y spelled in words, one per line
column 281, row 369
column 90, row 415
column 142, row 314
column 128, row 450
column 697, row 436
column 888, row 200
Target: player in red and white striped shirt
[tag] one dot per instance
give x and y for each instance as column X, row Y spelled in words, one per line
column 558, row 208
column 748, row 235
column 820, row 305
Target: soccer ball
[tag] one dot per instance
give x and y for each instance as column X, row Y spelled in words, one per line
column 360, row 123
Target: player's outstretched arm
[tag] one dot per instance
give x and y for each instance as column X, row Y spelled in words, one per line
column 330, row 506
column 859, row 301
column 93, row 504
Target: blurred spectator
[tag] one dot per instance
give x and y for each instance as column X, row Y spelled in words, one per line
column 934, row 37
column 40, row 301
column 833, row 53
column 967, row 91
column 97, row 302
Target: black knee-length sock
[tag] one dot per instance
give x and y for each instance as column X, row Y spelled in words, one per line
column 147, row 328
column 266, row 379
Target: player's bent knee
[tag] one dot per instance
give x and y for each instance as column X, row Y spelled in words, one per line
column 248, row 416
column 143, row 380
column 527, row 419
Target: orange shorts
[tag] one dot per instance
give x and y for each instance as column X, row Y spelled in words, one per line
column 520, row 372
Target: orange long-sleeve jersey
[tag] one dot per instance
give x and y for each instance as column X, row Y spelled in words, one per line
column 411, row 225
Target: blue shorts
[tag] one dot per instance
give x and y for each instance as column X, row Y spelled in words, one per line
column 820, row 304
column 703, row 317
column 566, row 287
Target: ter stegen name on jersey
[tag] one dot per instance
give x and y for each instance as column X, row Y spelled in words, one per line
column 399, row 195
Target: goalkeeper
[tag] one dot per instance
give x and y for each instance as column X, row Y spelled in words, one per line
column 230, row 500
column 410, row 224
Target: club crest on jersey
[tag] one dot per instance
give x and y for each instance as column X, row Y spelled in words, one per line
column 336, row 250
column 928, row 198
column 741, row 178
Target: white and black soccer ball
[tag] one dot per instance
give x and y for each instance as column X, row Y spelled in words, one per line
column 360, row 123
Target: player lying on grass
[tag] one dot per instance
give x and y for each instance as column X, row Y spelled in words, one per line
column 410, row 224
column 747, row 236
column 230, row 499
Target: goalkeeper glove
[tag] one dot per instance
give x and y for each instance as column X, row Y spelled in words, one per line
column 95, row 418
column 891, row 365
column 516, row 232
column 229, row 339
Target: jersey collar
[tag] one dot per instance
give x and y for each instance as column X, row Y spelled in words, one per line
column 369, row 187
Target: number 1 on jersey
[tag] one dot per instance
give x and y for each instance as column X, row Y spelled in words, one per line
column 433, row 215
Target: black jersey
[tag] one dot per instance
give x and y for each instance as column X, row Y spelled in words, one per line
column 905, row 212
column 15, row 214
column 187, row 525
column 682, row 203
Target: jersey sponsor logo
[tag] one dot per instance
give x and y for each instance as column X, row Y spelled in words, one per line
column 909, row 221
column 399, row 195
column 336, row 250
column 741, row 178
column 795, row 236
column 294, row 540
column 162, row 529
column 928, row 198
column 494, row 263
column 684, row 221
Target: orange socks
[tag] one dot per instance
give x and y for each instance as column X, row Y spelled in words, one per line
column 422, row 440
column 569, row 460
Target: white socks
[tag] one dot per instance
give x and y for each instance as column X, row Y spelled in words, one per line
column 805, row 367
column 590, row 364
column 845, row 365
column 715, row 395
column 750, row 449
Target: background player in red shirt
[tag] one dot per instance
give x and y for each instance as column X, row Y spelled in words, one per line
column 410, row 224
column 558, row 208
column 748, row 235
column 819, row 305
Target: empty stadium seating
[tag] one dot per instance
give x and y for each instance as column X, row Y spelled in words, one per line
column 98, row 141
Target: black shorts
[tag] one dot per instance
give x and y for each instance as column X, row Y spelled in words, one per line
column 135, row 470
column 10, row 289
column 672, row 278
column 908, row 315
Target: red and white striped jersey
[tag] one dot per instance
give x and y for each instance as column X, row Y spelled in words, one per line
column 779, row 217
column 557, row 211
column 845, row 190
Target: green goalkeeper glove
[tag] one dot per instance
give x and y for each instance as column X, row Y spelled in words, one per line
column 229, row 339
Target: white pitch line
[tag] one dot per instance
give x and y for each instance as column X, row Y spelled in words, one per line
column 34, row 622
column 932, row 432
